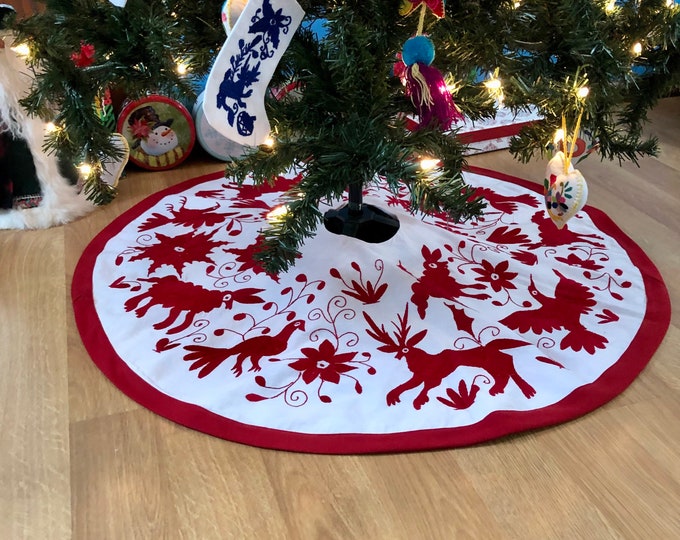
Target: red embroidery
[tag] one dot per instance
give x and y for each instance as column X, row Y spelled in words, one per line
column 564, row 310
column 430, row 369
column 450, row 278
column 181, row 297
column 206, row 359
column 436, row 282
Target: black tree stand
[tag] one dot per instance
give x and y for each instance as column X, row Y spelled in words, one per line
column 358, row 220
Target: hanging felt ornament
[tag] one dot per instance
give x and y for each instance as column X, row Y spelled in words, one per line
column 103, row 106
column 426, row 86
column 564, row 188
column 565, row 193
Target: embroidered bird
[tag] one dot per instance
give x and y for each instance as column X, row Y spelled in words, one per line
column 551, row 236
column 504, row 203
column 572, row 300
column 271, row 24
column 207, row 359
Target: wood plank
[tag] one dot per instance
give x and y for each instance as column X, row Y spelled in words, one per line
column 34, row 447
column 120, row 489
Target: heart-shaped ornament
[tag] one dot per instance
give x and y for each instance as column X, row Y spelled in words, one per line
column 565, row 193
column 112, row 168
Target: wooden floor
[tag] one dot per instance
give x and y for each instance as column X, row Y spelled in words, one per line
column 80, row 460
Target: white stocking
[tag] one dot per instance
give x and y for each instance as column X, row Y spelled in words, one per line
column 237, row 84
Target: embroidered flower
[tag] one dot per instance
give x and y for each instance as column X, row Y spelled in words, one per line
column 178, row 251
column 323, row 363
column 497, row 276
column 556, row 195
column 271, row 24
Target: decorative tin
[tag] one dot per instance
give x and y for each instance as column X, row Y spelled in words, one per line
column 159, row 130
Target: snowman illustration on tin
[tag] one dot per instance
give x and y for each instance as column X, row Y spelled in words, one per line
column 155, row 142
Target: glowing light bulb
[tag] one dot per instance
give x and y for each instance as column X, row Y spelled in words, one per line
column 182, row 68
column 51, row 127
column 493, row 84
column 559, row 136
column 670, row 4
column 583, row 92
column 611, row 6
column 277, row 213
column 637, row 49
column 427, row 164
column 495, row 88
column 269, row 142
column 517, row 4
column 85, row 169
column 22, row 49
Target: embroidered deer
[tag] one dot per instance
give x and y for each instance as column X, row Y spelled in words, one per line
column 430, row 369
column 437, row 282
column 181, row 297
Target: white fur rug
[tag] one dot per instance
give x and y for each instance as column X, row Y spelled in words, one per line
column 61, row 201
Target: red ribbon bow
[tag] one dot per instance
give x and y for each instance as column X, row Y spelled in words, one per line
column 409, row 6
column 85, row 56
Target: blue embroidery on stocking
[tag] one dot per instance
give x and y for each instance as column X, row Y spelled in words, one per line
column 266, row 27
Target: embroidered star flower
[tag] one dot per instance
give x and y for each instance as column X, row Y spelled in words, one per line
column 178, row 251
column 271, row 24
column 497, row 276
column 323, row 363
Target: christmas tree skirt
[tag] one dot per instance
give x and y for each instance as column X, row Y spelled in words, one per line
column 445, row 335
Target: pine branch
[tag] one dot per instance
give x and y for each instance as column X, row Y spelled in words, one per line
column 344, row 123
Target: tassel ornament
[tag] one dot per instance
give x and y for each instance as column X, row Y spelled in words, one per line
column 426, row 87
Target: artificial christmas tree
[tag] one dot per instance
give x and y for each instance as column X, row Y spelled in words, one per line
column 346, row 125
